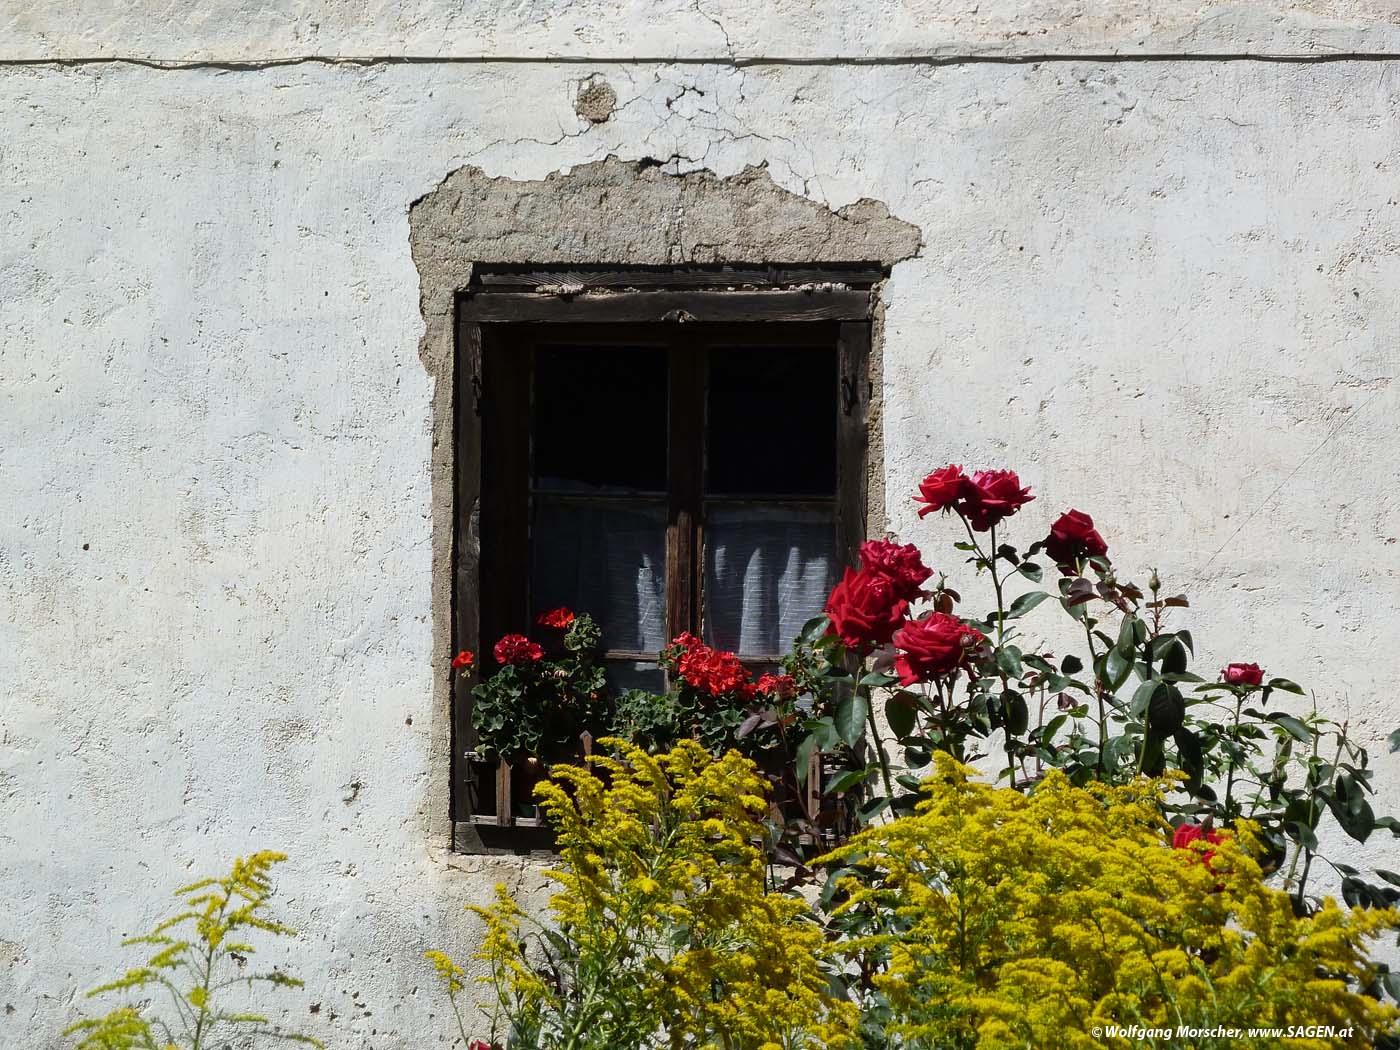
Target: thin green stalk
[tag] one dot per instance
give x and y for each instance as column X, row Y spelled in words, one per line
column 879, row 744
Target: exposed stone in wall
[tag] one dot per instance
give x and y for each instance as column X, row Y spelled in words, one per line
column 625, row 213
column 596, row 100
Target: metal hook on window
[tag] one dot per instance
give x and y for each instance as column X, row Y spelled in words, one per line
column 848, row 394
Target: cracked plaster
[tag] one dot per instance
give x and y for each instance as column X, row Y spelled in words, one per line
column 1163, row 290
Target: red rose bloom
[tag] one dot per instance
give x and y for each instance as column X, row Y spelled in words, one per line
column 558, row 618
column 1183, row 836
column 901, row 565
column 865, row 610
column 1071, row 538
column 991, row 495
column 712, row 670
column 463, row 660
column 937, row 644
column 517, row 649
column 1243, row 674
column 783, row 686
column 941, row 489
column 478, row 1044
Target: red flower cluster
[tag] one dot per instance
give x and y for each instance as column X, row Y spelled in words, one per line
column 782, row 686
column 1071, row 538
column 464, row 661
column 1243, row 674
column 559, row 618
column 517, row 649
column 1189, row 833
column 865, row 610
column 479, row 1044
column 936, row 644
column 983, row 499
column 902, row 565
column 713, row 670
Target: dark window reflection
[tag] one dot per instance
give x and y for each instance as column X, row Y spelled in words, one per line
column 600, row 419
column 771, row 421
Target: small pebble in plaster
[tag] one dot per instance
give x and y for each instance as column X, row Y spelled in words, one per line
column 408, row 721
column 596, row 100
column 85, row 546
column 355, row 787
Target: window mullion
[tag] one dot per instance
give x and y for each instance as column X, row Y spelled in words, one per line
column 685, row 441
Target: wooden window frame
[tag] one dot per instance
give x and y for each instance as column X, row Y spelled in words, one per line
column 842, row 297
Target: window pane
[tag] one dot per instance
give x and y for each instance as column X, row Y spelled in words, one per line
column 771, row 421
column 768, row 570
column 600, row 419
column 605, row 559
column 624, row 675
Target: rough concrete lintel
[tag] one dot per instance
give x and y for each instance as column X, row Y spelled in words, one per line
column 619, row 213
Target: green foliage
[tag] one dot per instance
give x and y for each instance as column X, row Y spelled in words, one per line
column 541, row 707
column 650, row 721
column 990, row 918
column 1000, row 920
column 199, row 954
column 662, row 932
column 1126, row 704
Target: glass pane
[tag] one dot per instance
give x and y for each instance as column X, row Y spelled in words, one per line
column 600, row 419
column 768, row 570
column 772, row 421
column 624, row 675
column 605, row 559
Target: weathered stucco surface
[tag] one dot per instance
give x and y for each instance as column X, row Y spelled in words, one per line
column 237, row 31
column 1164, row 290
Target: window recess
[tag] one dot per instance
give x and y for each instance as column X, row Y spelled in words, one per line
column 667, row 450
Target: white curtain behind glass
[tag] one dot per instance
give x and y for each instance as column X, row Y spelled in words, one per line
column 768, row 570
column 605, row 559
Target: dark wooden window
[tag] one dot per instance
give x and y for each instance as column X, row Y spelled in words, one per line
column 667, row 461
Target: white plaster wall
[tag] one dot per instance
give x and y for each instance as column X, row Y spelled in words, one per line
column 1163, row 290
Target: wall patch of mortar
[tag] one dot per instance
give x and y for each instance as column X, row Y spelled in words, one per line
column 609, row 212
column 596, row 100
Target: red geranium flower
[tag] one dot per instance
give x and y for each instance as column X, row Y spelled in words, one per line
column 1072, row 537
column 902, row 565
column 464, row 660
column 941, row 489
column 865, row 610
column 991, row 495
column 558, row 618
column 1243, row 674
column 517, row 649
column 936, row 644
column 783, row 686
column 712, row 670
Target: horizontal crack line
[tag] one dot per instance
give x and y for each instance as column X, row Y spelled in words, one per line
column 741, row 62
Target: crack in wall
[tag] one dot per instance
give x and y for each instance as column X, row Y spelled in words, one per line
column 734, row 61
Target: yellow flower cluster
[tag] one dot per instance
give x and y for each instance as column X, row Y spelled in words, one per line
column 198, row 953
column 663, row 931
column 995, row 919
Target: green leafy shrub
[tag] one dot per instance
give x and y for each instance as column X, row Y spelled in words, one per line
column 540, row 701
column 200, row 953
column 988, row 919
column 991, row 919
column 663, row 932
